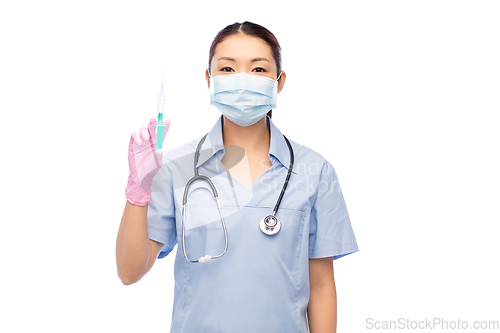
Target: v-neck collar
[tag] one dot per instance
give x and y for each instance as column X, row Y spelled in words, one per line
column 214, row 142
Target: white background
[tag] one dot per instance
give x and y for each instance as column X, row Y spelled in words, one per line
column 402, row 97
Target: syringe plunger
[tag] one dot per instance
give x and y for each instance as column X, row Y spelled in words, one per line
column 161, row 101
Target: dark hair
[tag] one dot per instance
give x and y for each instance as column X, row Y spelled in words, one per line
column 251, row 29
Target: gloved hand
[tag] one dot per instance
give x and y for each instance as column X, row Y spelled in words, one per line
column 144, row 162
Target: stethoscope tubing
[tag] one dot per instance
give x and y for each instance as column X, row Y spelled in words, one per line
column 197, row 176
column 287, row 176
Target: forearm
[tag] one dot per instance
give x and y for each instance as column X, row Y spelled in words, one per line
column 133, row 247
column 322, row 310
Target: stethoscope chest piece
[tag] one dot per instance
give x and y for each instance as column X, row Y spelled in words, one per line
column 270, row 225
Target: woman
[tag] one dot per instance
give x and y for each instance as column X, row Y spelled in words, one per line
column 251, row 276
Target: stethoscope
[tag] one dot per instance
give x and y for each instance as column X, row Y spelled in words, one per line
column 269, row 224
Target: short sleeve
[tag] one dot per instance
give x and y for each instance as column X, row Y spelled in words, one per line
column 330, row 232
column 161, row 212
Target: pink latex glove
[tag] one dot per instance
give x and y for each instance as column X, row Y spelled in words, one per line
column 144, row 162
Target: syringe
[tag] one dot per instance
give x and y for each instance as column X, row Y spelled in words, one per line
column 159, row 125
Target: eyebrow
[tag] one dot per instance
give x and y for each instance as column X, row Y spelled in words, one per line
column 253, row 60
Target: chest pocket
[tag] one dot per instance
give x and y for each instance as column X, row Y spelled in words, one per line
column 281, row 250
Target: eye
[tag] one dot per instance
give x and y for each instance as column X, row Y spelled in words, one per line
column 260, row 70
column 224, row 69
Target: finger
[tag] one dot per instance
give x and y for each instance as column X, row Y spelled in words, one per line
column 166, row 126
column 152, row 127
column 136, row 139
column 144, row 134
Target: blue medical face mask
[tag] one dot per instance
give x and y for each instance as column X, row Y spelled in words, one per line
column 243, row 98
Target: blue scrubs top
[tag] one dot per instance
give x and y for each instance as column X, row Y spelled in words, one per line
column 261, row 283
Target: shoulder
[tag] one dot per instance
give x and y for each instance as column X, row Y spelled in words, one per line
column 177, row 166
column 185, row 150
column 309, row 160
